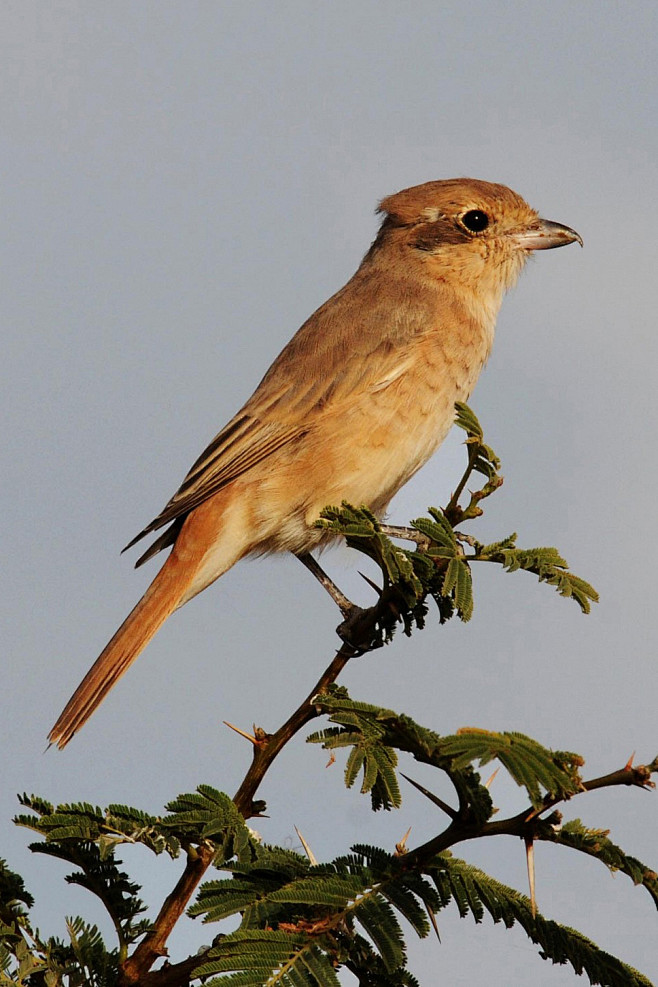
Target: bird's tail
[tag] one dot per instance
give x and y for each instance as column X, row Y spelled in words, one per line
column 160, row 600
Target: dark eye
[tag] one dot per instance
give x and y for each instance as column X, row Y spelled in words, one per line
column 475, row 220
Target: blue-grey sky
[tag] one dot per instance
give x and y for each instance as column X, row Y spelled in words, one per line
column 182, row 184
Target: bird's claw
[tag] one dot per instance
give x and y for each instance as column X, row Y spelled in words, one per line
column 359, row 629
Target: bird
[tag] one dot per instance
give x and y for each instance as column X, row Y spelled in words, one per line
column 352, row 407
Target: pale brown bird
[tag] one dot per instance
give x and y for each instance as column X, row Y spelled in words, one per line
column 357, row 401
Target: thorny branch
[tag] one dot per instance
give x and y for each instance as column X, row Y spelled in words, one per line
column 525, row 823
column 360, row 631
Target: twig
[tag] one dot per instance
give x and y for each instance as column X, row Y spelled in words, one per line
column 406, row 534
column 306, row 711
column 171, row 974
column 153, row 946
column 453, row 510
column 525, row 822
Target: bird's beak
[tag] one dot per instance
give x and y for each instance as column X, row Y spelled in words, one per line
column 545, row 235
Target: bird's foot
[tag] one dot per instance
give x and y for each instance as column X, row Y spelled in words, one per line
column 359, row 629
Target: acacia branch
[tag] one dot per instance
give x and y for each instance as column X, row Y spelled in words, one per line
column 153, row 946
column 359, row 633
column 265, row 751
column 363, row 631
column 525, row 822
column 638, row 777
column 171, row 974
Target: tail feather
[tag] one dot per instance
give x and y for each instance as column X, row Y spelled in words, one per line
column 160, row 600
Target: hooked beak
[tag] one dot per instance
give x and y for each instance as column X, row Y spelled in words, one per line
column 545, row 236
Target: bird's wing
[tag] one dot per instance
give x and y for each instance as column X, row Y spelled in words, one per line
column 241, row 444
column 320, row 370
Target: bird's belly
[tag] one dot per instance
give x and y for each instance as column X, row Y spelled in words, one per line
column 363, row 456
column 371, row 468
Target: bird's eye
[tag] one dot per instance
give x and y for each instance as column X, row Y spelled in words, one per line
column 475, row 220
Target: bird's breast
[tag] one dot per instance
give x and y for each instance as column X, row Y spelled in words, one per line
column 366, row 450
column 365, row 444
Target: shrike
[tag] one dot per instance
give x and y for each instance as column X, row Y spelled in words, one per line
column 357, row 401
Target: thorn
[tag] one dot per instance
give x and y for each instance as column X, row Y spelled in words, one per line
column 487, row 784
column 401, row 847
column 432, row 918
column 307, row 850
column 530, row 862
column 370, row 583
column 332, row 760
column 629, row 763
column 449, row 811
column 247, row 736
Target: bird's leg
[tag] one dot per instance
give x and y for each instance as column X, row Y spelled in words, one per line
column 360, row 628
column 346, row 607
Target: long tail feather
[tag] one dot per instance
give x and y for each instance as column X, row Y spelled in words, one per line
column 160, row 600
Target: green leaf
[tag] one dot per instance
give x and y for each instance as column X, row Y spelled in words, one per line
column 364, row 734
column 208, row 814
column 475, row 892
column 530, row 765
column 549, row 566
column 252, row 882
column 378, row 732
column 594, row 842
column 380, row 923
column 457, row 583
column 13, row 894
column 270, row 958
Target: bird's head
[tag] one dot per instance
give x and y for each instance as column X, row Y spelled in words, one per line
column 474, row 235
